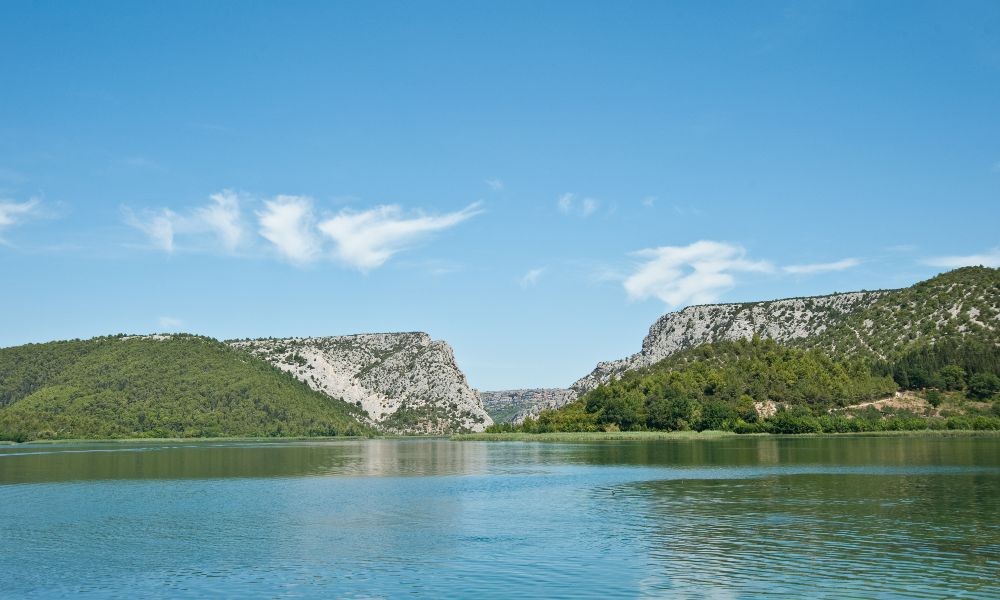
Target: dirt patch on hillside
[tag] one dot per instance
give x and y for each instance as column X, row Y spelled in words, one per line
column 899, row 401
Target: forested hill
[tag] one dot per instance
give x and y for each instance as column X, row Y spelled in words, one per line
column 958, row 304
column 158, row 386
column 924, row 356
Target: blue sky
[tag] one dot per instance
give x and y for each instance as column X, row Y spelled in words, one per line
column 534, row 182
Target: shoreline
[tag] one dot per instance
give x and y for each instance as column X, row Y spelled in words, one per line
column 202, row 440
column 565, row 437
column 640, row 436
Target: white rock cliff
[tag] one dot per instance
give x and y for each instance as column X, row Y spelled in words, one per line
column 406, row 382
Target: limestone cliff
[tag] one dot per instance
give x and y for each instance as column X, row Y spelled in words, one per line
column 782, row 320
column 405, row 382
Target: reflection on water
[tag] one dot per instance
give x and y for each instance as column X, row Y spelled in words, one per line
column 731, row 517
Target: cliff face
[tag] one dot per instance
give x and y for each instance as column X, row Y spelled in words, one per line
column 784, row 321
column 513, row 406
column 405, row 382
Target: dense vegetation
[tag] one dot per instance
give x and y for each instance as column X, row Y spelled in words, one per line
column 957, row 305
column 937, row 339
column 180, row 386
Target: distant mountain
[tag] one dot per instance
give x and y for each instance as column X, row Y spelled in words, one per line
column 512, row 406
column 405, row 382
column 158, row 386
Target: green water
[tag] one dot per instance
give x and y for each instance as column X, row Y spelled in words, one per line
column 724, row 518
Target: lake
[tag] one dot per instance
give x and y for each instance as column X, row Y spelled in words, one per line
column 732, row 517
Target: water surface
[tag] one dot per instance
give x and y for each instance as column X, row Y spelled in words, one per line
column 861, row 517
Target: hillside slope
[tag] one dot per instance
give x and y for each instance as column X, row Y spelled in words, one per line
column 958, row 303
column 158, row 386
column 406, row 382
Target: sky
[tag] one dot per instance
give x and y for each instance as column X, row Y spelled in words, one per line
column 533, row 182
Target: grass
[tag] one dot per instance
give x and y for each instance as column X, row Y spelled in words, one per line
column 182, row 440
column 639, row 436
column 592, row 436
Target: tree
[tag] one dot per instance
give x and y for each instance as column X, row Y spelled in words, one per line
column 952, row 377
column 983, row 385
column 673, row 411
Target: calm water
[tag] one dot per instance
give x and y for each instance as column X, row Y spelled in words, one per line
column 727, row 518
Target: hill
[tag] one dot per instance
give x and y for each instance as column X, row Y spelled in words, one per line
column 958, row 304
column 940, row 336
column 158, row 386
column 406, row 382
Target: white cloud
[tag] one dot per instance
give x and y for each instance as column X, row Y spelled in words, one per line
column 158, row 227
column 13, row 213
column 809, row 269
column 531, row 277
column 495, row 184
column 170, row 322
column 366, row 240
column 221, row 219
column 289, row 224
column 569, row 204
column 991, row 258
column 649, row 201
column 693, row 274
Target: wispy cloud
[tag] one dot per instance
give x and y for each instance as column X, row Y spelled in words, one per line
column 366, row 240
column 683, row 210
column 14, row 213
column 694, row 274
column 495, row 184
column 648, row 201
column 158, row 226
column 990, row 258
column 294, row 229
column 570, row 204
column 530, row 279
column 288, row 223
column 224, row 219
column 221, row 220
column 170, row 322
column 809, row 269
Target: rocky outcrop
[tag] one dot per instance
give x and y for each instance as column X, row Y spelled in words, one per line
column 784, row 321
column 404, row 382
column 514, row 406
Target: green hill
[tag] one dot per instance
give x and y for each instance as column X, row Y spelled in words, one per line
column 158, row 386
column 937, row 341
column 963, row 304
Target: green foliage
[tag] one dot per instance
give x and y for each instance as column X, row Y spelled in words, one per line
column 946, row 365
column 963, row 304
column 572, row 417
column 984, row 385
column 182, row 386
column 714, row 386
